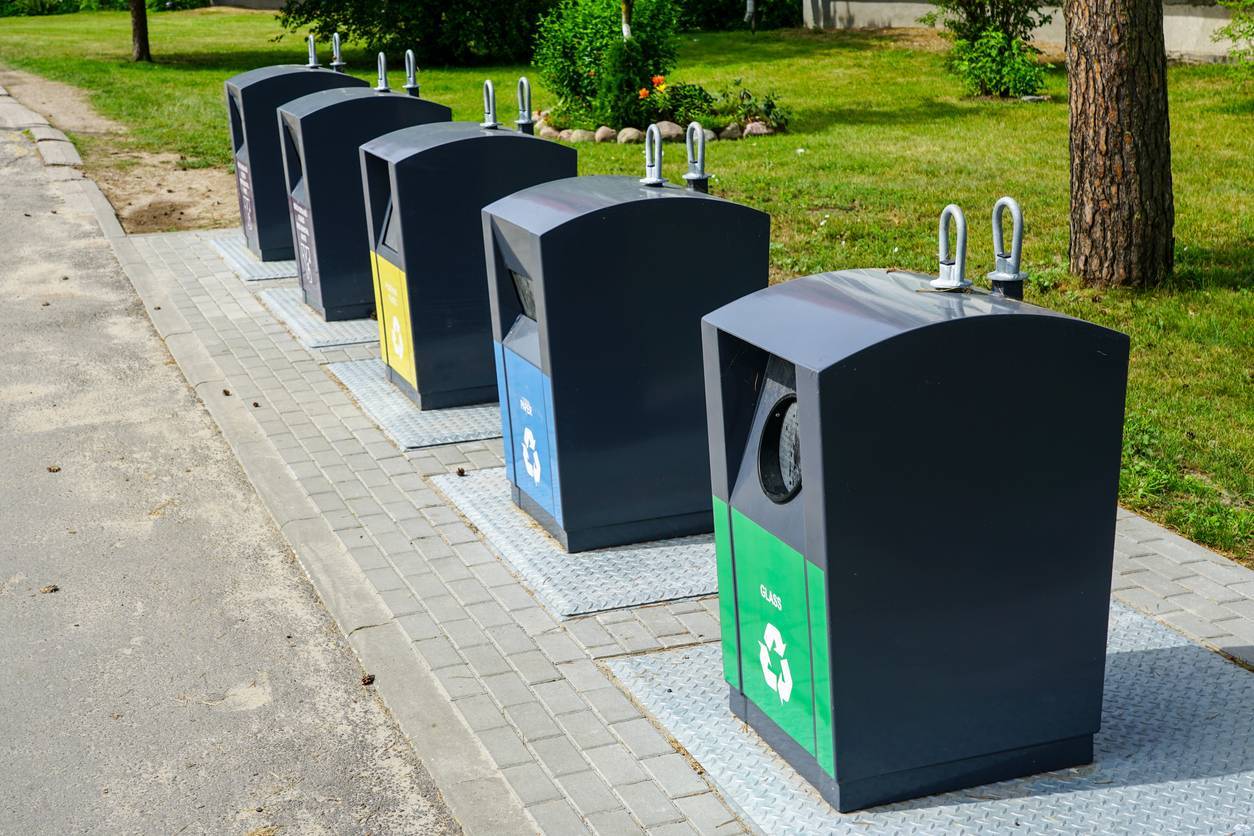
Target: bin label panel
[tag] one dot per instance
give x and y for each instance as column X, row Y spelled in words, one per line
column 774, row 628
column 726, row 592
column 530, row 436
column 306, row 254
column 244, row 185
column 395, row 323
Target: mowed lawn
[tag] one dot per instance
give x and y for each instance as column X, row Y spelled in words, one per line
column 882, row 139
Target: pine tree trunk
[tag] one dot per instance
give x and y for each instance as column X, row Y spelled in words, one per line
column 1122, row 210
column 139, row 32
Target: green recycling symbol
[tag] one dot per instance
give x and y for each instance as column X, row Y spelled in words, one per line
column 773, row 641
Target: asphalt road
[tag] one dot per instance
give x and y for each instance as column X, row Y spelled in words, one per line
column 183, row 676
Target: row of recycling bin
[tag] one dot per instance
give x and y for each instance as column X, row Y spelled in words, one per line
column 915, row 603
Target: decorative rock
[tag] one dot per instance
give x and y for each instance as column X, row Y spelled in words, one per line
column 565, row 135
column 582, row 136
column 758, row 129
column 710, row 136
column 670, row 131
column 550, row 132
column 606, row 134
column 732, row 131
column 630, row 136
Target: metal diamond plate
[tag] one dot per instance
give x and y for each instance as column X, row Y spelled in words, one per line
column 240, row 259
column 399, row 417
column 1175, row 753
column 288, row 306
column 588, row 582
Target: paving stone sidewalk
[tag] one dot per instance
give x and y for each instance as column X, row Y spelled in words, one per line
column 425, row 599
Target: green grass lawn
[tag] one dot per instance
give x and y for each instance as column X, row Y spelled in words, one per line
column 882, row 139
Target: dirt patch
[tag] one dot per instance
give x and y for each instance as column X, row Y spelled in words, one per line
column 149, row 192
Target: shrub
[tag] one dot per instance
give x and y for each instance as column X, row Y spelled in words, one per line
column 968, row 20
column 1239, row 30
column 174, row 5
column 439, row 32
column 21, row 8
column 579, row 40
column 730, row 14
column 737, row 104
column 623, row 86
column 994, row 65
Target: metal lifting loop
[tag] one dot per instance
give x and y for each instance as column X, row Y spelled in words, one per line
column 337, row 60
column 953, row 271
column 313, row 53
column 653, row 157
column 694, row 140
column 489, row 106
column 382, row 86
column 411, row 73
column 525, row 123
column 1007, row 278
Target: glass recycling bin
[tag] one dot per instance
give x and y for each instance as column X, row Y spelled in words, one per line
column 426, row 187
column 251, row 99
column 597, row 288
column 914, row 517
column 321, row 135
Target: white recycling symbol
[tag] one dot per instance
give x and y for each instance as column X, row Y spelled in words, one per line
column 781, row 683
column 531, row 455
column 398, row 341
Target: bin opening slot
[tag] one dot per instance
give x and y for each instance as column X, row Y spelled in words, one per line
column 237, row 123
column 391, row 227
column 526, row 294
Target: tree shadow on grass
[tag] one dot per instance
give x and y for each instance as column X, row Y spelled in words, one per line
column 722, row 49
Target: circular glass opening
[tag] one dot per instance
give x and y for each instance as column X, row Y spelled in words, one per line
column 779, row 452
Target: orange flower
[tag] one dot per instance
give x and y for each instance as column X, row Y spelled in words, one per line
column 659, row 81
column 644, row 92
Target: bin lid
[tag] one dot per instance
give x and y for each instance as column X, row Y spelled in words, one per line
column 313, row 103
column 250, row 77
column 817, row 321
column 546, row 206
column 413, row 140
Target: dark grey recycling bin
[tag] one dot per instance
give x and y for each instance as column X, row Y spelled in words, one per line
column 597, row 286
column 252, row 98
column 914, row 516
column 321, row 136
column 426, row 187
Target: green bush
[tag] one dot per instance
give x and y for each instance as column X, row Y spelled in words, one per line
column 439, row 32
column 994, row 65
column 739, row 105
column 730, row 14
column 174, row 5
column 968, row 20
column 578, row 39
column 21, row 8
column 1239, row 30
column 622, row 86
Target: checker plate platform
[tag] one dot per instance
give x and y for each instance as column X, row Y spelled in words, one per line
column 399, row 417
column 288, row 306
column 235, row 253
column 587, row 582
column 1175, row 753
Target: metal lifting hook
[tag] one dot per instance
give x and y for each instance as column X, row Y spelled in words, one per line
column 313, row 53
column 694, row 140
column 525, row 122
column 953, row 271
column 382, row 86
column 653, row 158
column 337, row 60
column 1007, row 278
column 489, row 106
column 411, row 73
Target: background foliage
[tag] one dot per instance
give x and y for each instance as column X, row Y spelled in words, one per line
column 713, row 15
column 439, row 32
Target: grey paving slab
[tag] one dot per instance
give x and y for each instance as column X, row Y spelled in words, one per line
column 1175, row 754
column 230, row 245
column 588, row 582
column 58, row 152
column 402, row 420
column 288, row 306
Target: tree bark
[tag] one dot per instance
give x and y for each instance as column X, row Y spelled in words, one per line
column 139, row 31
column 628, row 5
column 1122, row 210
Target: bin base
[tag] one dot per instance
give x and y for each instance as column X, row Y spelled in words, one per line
column 447, row 399
column 273, row 253
column 619, row 534
column 850, row 795
column 340, row 313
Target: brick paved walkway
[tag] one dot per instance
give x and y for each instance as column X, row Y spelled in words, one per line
column 576, row 752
